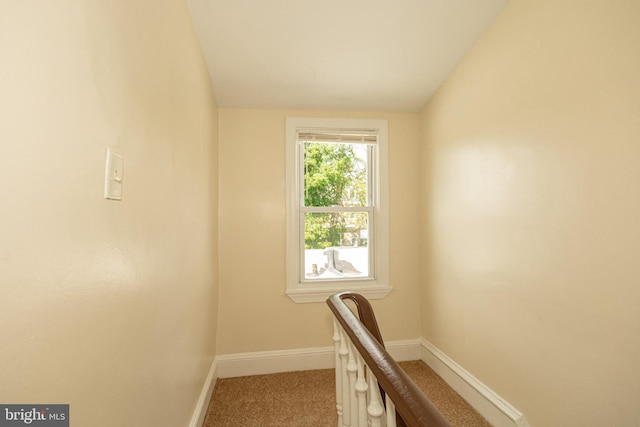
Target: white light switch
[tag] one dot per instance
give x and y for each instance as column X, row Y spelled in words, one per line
column 113, row 175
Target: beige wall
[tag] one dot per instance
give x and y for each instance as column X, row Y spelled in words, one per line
column 531, row 160
column 255, row 314
column 109, row 306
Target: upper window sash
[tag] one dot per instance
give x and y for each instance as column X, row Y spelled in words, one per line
column 368, row 138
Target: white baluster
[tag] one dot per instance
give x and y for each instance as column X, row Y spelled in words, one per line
column 346, row 406
column 375, row 408
column 361, row 391
column 336, row 343
column 352, row 369
column 391, row 412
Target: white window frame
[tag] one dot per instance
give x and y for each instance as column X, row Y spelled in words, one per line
column 378, row 285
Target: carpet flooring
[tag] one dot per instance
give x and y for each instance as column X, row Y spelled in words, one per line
column 307, row 399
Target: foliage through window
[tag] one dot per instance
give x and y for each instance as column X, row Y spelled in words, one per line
column 335, row 188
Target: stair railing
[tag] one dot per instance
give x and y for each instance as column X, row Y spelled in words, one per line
column 371, row 388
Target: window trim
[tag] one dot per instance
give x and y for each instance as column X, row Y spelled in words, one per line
column 376, row 288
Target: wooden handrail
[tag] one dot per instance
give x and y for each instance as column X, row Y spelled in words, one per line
column 411, row 404
column 365, row 313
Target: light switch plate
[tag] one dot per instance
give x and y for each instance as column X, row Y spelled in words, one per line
column 113, row 175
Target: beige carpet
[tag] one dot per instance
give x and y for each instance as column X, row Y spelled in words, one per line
column 307, row 399
column 454, row 408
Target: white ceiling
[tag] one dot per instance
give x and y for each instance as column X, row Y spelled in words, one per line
column 370, row 55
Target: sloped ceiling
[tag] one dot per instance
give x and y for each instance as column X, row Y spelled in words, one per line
column 369, row 55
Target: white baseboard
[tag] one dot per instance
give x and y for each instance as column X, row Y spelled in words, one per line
column 197, row 419
column 404, row 350
column 271, row 362
column 490, row 405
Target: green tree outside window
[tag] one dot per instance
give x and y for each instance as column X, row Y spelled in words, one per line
column 334, row 175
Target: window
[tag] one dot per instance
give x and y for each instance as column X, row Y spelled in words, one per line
column 337, row 211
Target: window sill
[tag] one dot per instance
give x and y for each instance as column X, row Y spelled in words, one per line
column 320, row 294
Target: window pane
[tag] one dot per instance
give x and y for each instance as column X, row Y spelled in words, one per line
column 336, row 245
column 335, row 174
